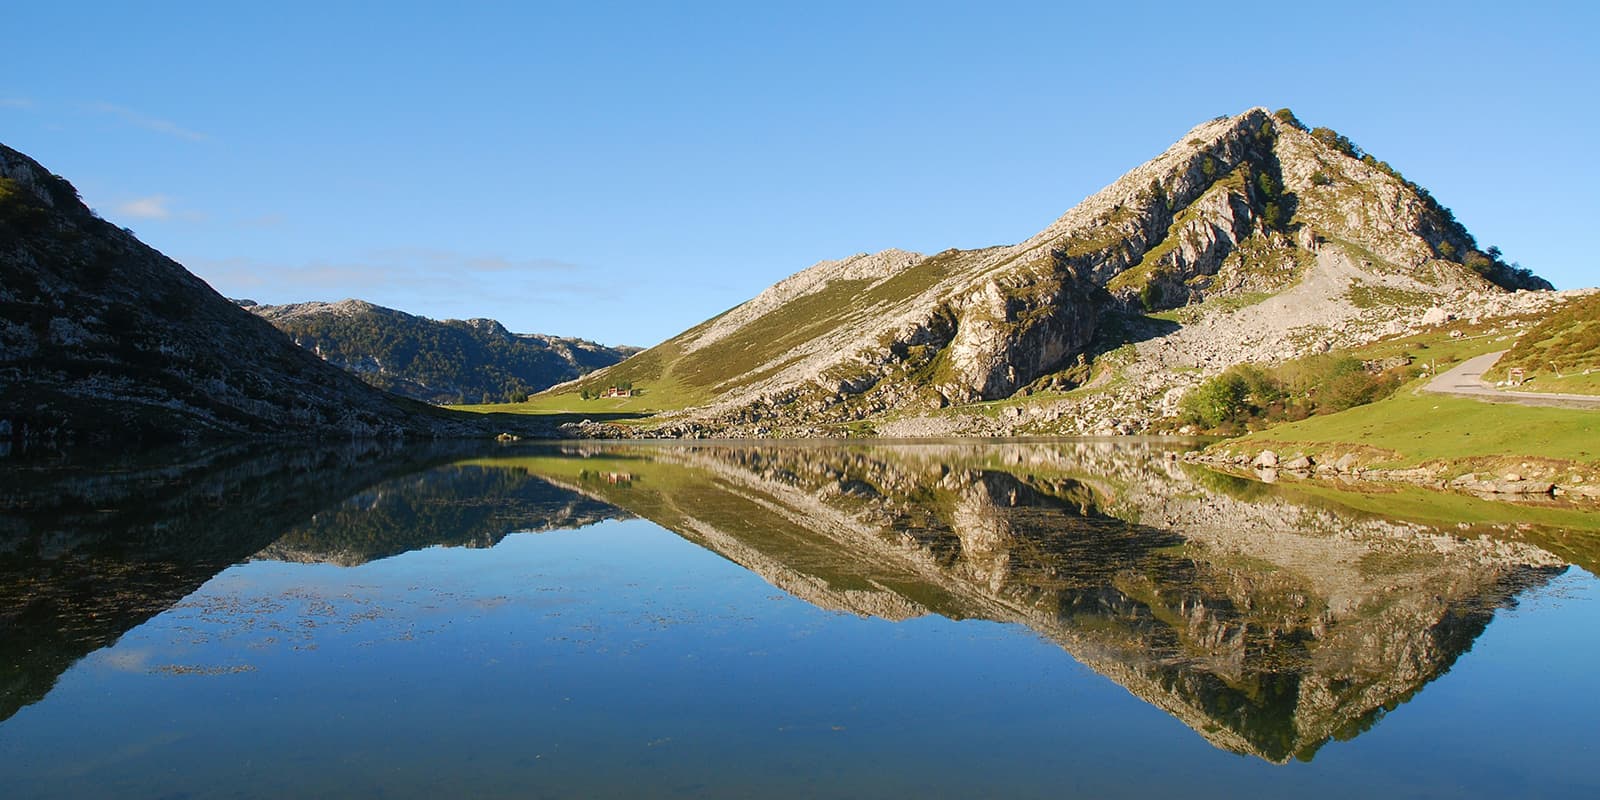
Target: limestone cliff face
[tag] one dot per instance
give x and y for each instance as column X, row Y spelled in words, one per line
column 1009, row 333
column 1239, row 207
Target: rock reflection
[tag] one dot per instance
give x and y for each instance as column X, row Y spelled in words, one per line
column 1268, row 626
column 1269, row 623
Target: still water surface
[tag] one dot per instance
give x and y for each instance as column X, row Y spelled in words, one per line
column 938, row 620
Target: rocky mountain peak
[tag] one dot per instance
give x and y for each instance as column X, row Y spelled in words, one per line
column 1294, row 228
column 28, row 183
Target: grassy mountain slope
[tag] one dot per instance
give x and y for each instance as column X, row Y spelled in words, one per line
column 1561, row 353
column 450, row 361
column 1240, row 211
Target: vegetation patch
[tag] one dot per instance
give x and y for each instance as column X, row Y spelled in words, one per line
column 1249, row 396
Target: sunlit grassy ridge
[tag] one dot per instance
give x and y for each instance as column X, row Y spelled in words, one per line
column 671, row 376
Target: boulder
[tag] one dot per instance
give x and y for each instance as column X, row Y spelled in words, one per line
column 1519, row 487
column 1267, row 460
column 1298, row 464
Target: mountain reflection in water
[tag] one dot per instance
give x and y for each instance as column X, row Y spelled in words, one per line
column 1268, row 623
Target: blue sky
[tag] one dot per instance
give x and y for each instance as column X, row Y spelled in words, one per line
column 623, row 171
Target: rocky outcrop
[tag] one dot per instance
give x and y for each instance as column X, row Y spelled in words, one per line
column 1006, row 335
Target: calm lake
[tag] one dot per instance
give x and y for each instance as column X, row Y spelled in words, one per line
column 957, row 619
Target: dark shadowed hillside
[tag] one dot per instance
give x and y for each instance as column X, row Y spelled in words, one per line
column 105, row 340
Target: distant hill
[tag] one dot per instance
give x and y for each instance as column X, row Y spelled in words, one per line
column 1253, row 238
column 453, row 361
column 104, row 340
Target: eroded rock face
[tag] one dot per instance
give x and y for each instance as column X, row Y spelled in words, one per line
column 1005, row 338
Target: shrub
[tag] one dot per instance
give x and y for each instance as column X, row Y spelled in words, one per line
column 1287, row 116
column 1246, row 394
column 1266, row 184
column 1217, row 401
column 1150, row 295
column 1338, row 141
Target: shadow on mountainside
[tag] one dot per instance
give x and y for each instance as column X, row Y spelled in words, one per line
column 1123, row 328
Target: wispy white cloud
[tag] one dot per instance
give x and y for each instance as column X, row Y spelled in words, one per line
column 147, row 122
column 429, row 259
column 153, row 207
column 386, row 275
column 16, row 102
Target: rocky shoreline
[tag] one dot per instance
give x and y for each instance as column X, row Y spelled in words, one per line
column 1541, row 482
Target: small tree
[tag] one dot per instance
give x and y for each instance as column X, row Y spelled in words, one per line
column 1272, row 214
column 1150, row 295
column 1216, row 401
column 1268, row 186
